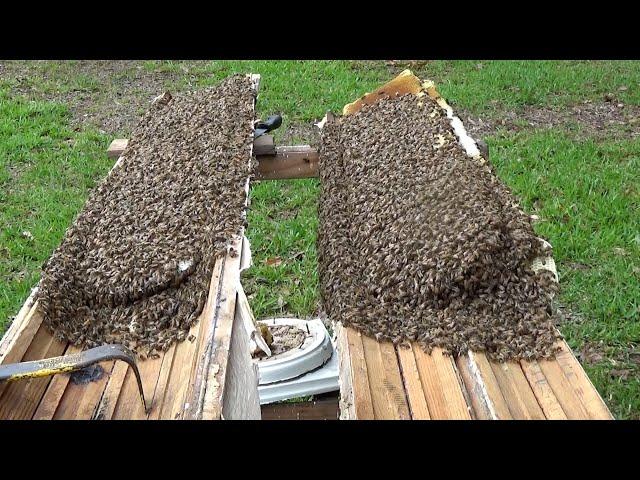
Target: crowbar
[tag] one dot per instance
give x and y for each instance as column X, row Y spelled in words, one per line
column 72, row 363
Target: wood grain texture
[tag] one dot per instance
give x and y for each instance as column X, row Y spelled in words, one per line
column 324, row 409
column 441, row 386
column 584, row 389
column 109, row 400
column 20, row 399
column 412, row 384
column 19, row 323
column 362, row 396
column 217, row 368
column 79, row 402
column 562, row 389
column 242, row 377
column 517, row 392
column 542, row 391
column 484, row 392
column 300, row 161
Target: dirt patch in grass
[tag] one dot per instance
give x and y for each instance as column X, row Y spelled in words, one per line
column 109, row 95
column 112, row 95
column 606, row 119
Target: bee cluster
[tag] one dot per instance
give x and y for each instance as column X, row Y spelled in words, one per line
column 135, row 266
column 420, row 242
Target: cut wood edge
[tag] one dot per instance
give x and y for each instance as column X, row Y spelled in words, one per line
column 220, row 345
column 345, row 384
column 117, row 147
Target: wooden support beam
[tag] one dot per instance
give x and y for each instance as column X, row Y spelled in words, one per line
column 264, row 145
column 299, row 161
column 117, row 147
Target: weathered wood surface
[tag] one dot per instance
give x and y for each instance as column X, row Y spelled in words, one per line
column 321, row 409
column 436, row 386
column 117, row 147
column 300, row 161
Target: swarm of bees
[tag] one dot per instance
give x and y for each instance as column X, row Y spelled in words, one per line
column 420, row 242
column 134, row 268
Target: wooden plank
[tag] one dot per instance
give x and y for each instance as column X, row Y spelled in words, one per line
column 19, row 323
column 79, row 401
column 387, row 390
column 27, row 324
column 117, row 147
column 412, row 384
column 176, row 389
column 20, row 399
column 484, row 392
column 345, row 376
column 516, row 390
column 49, row 403
column 362, row 398
column 441, row 386
column 496, row 399
column 562, row 389
column 197, row 378
column 16, row 346
column 396, row 395
column 129, row 405
column 476, row 397
column 216, row 371
column 324, row 409
column 382, row 407
column 241, row 399
column 300, row 161
column 264, row 145
column 111, row 393
column 582, row 385
column 542, row 390
column 160, row 390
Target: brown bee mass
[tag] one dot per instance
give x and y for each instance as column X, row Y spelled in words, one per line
column 135, row 266
column 420, row 242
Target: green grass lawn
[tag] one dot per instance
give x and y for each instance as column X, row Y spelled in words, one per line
column 46, row 171
column 584, row 189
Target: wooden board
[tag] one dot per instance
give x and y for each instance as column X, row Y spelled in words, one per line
column 117, row 147
column 437, row 386
column 299, row 161
column 321, row 409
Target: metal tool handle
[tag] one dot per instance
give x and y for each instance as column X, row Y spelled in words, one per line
column 71, row 363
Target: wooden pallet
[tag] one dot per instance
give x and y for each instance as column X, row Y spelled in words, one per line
column 210, row 376
column 380, row 381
